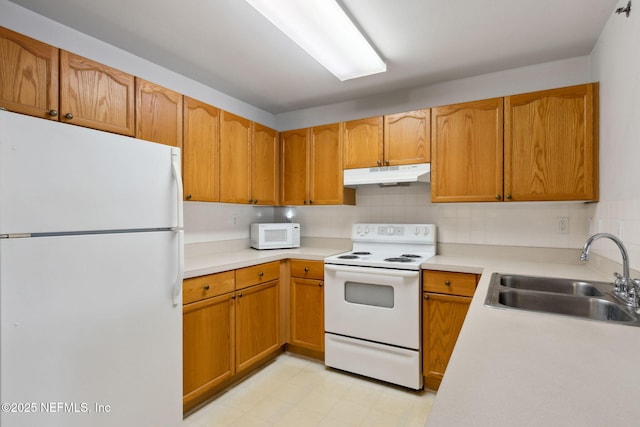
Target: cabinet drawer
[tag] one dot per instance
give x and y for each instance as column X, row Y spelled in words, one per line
column 307, row 269
column 447, row 282
column 261, row 273
column 211, row 285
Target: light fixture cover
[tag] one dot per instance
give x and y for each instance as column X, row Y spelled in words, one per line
column 325, row 32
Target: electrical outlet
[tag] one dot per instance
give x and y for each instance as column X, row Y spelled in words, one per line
column 563, row 225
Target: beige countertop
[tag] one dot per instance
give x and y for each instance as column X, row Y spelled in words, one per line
column 511, row 367
column 517, row 368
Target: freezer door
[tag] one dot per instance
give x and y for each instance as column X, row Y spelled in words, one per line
column 57, row 177
column 89, row 335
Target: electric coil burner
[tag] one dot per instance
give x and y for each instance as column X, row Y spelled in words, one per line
column 372, row 302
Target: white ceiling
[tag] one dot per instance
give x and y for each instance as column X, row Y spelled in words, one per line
column 227, row 45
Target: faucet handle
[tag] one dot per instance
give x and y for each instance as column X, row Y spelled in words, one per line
column 618, row 282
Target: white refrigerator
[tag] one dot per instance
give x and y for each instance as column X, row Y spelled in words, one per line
column 91, row 263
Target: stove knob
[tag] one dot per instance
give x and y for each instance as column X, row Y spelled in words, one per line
column 417, row 230
column 426, row 231
column 390, row 231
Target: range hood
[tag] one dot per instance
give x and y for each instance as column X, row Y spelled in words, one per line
column 388, row 175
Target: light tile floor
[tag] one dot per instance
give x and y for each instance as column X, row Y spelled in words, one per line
column 294, row 391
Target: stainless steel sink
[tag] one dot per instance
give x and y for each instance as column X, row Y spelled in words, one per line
column 568, row 297
column 550, row 284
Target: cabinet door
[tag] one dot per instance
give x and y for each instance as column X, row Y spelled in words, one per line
column 28, row 75
column 363, row 143
column 264, row 166
column 442, row 318
column 467, row 152
column 325, row 171
column 201, row 152
column 96, row 96
column 208, row 346
column 158, row 114
column 257, row 323
column 551, row 149
column 307, row 313
column 235, row 155
column 293, row 167
column 407, row 138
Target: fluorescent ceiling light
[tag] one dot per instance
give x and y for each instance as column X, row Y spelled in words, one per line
column 325, row 32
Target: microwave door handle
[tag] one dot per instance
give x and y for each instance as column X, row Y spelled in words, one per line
column 379, row 271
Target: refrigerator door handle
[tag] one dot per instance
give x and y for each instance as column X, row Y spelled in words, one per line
column 177, row 286
column 177, row 176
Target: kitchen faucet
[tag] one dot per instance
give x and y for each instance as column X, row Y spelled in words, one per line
column 625, row 287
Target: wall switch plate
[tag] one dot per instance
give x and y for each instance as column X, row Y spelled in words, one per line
column 563, row 225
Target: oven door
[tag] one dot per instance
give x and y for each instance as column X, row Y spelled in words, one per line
column 375, row 304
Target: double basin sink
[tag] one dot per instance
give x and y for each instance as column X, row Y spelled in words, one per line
column 576, row 298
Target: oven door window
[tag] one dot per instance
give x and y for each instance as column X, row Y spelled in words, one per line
column 369, row 294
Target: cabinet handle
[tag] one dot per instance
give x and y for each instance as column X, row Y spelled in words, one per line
column 447, row 283
column 498, row 197
column 53, row 113
column 206, row 287
column 68, row 116
column 306, row 269
column 508, row 197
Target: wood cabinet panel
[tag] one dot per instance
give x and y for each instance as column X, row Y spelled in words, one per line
column 467, row 152
column 208, row 346
column 201, row 152
column 407, row 137
column 363, row 143
column 158, row 114
column 326, row 172
column 235, row 158
column 28, row 75
column 446, row 282
column 95, row 95
column 257, row 323
column 211, row 285
column 307, row 313
column 264, row 166
column 443, row 316
column 551, row 149
column 294, row 158
column 256, row 274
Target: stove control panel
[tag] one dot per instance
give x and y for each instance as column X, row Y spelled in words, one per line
column 416, row 233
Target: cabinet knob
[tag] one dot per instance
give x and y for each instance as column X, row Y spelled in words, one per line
column 447, row 283
column 188, row 196
column 3, row 109
column 305, row 202
column 52, row 113
column 206, row 287
column 321, row 284
column 379, row 163
column 508, row 197
column 386, row 162
column 310, row 202
column 68, row 116
column 498, row 197
column 261, row 274
column 240, row 295
column 233, row 297
column 426, row 296
column 255, row 201
column 306, row 269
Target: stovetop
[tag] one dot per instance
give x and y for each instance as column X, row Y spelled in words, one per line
column 397, row 246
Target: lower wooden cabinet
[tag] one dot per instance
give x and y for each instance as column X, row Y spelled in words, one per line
column 307, row 305
column 444, row 307
column 227, row 330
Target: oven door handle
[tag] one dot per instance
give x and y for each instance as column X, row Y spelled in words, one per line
column 381, row 271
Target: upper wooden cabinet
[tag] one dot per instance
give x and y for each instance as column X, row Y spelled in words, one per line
column 551, row 145
column 395, row 139
column 28, row 75
column 248, row 161
column 158, row 114
column 294, row 154
column 264, row 165
column 407, row 138
column 311, row 167
column 363, row 143
column 95, row 95
column 467, row 152
column 201, row 151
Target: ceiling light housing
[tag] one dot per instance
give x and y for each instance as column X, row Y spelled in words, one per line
column 324, row 31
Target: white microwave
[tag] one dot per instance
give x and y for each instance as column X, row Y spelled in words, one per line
column 275, row 235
